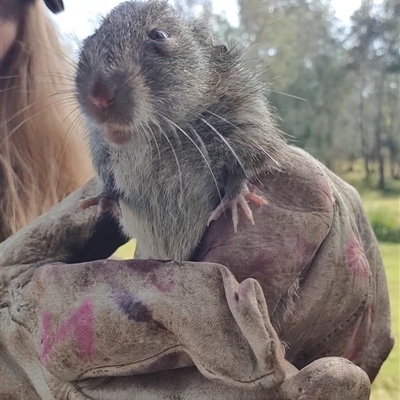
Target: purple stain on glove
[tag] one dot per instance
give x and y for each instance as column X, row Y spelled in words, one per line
column 145, row 267
column 156, row 273
column 133, row 308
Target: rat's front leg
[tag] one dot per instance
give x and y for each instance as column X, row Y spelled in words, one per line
column 107, row 201
column 240, row 200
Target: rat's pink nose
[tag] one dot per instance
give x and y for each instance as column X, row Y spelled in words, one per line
column 102, row 95
column 101, row 102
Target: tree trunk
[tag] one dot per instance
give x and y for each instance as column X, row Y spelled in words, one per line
column 364, row 146
column 330, row 156
column 392, row 167
column 378, row 135
column 392, row 143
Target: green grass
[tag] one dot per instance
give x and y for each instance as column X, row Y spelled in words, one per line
column 382, row 207
column 387, row 206
column 387, row 383
column 384, row 215
column 355, row 176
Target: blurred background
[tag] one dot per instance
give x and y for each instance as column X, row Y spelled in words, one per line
column 333, row 72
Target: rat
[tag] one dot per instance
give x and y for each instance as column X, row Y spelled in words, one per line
column 179, row 129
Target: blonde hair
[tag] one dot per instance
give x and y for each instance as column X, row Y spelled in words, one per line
column 43, row 155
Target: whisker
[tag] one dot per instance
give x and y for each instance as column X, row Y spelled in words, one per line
column 22, row 110
column 203, row 146
column 227, row 144
column 10, row 76
column 288, row 95
column 68, row 76
column 145, row 131
column 28, row 119
column 198, row 149
column 139, row 131
column 11, row 88
column 17, row 127
column 18, row 113
column 76, row 120
column 59, row 74
column 174, row 133
column 155, row 140
column 63, row 93
column 254, row 142
column 177, row 163
column 35, row 90
column 60, row 54
column 69, row 114
column 76, row 39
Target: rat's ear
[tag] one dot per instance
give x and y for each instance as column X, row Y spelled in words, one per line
column 202, row 32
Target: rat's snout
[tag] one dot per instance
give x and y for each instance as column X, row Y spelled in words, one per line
column 102, row 94
column 108, row 97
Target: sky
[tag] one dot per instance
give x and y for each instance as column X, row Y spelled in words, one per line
column 79, row 16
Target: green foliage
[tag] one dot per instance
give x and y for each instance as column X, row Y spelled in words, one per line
column 382, row 207
column 334, row 88
column 386, row 386
column 385, row 227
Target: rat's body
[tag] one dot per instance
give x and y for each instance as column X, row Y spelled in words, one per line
column 165, row 112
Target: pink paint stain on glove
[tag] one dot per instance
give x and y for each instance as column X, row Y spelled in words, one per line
column 79, row 323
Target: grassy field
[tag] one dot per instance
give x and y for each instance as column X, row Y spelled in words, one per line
column 385, row 207
column 387, row 384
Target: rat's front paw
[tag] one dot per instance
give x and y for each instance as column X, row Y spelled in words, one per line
column 239, row 200
column 105, row 204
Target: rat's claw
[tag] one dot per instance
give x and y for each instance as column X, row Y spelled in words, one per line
column 250, row 196
column 235, row 216
column 104, row 204
column 218, row 211
column 107, row 204
column 239, row 200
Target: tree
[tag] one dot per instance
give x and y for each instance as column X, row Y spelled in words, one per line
column 375, row 56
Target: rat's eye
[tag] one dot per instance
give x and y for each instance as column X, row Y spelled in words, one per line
column 156, row 34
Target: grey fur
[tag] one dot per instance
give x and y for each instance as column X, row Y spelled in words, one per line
column 190, row 107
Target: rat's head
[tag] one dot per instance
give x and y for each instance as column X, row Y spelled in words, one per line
column 142, row 65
